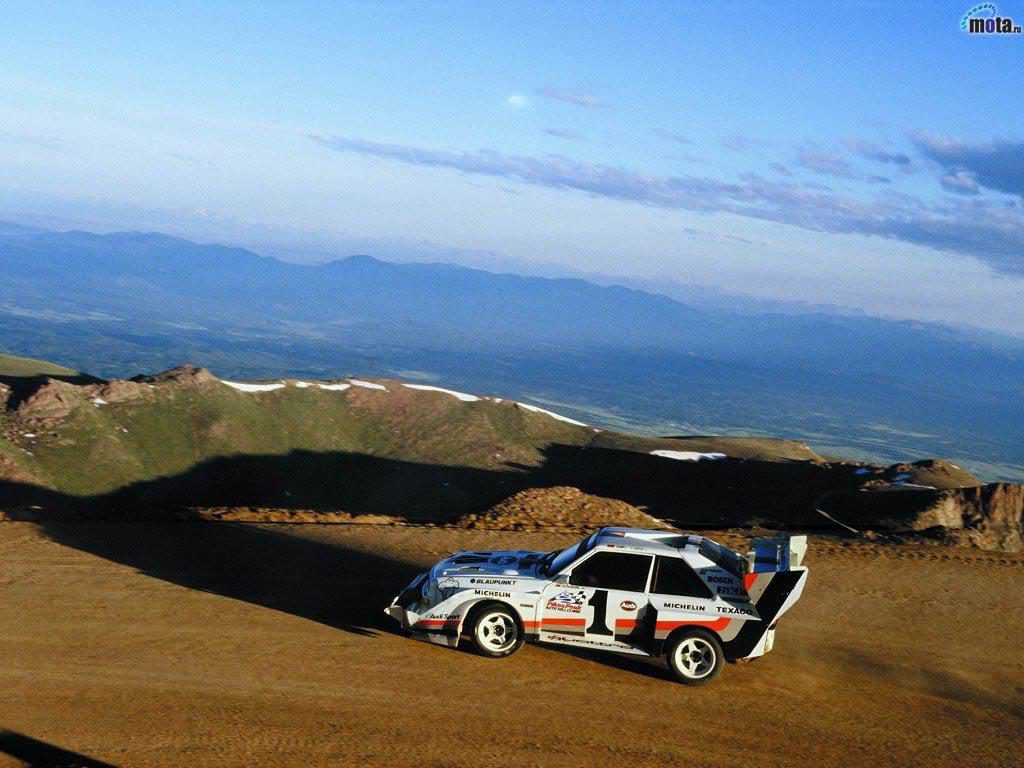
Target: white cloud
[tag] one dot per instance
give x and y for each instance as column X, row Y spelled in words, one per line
column 985, row 231
column 517, row 101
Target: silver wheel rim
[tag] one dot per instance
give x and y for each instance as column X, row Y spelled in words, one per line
column 497, row 631
column 695, row 657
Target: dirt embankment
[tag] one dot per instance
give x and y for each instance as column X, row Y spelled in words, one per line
column 554, row 510
column 559, row 509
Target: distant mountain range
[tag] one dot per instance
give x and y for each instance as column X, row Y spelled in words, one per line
column 118, row 303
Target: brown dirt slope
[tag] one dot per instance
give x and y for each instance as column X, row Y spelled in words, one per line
column 559, row 509
column 161, row 645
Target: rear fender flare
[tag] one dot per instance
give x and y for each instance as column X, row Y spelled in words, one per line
column 660, row 647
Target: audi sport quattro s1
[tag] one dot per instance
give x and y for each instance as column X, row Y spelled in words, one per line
column 625, row 590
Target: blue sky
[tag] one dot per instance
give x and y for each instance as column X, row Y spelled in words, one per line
column 869, row 155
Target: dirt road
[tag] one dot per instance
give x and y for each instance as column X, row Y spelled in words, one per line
column 218, row 644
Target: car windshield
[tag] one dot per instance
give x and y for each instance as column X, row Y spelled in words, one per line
column 559, row 560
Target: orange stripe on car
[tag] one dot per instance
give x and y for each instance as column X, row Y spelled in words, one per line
column 717, row 625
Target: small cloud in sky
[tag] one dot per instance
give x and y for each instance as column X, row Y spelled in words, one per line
column 580, row 98
column 672, row 136
column 517, row 101
column 34, row 140
column 871, row 151
column 960, row 182
column 828, row 163
column 780, row 169
column 562, row 133
column 816, row 185
column 998, row 164
column 741, row 143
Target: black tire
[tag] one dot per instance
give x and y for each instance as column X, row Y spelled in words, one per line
column 496, row 631
column 695, row 656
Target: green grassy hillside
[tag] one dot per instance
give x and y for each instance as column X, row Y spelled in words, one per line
column 184, row 439
column 24, row 366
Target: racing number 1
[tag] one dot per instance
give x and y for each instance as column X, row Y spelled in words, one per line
column 599, row 624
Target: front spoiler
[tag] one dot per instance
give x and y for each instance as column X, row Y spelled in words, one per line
column 404, row 615
column 401, row 607
column 407, row 611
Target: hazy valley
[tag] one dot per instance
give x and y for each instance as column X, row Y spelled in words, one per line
column 851, row 386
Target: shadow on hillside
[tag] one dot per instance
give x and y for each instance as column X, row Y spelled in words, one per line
column 715, row 494
column 38, row 754
column 723, row 493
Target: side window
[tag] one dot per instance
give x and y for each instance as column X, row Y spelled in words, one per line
column 675, row 577
column 613, row 570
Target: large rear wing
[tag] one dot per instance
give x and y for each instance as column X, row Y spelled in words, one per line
column 776, row 554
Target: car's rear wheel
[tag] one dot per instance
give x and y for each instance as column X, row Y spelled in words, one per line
column 496, row 632
column 695, row 657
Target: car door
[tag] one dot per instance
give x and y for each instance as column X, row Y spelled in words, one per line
column 601, row 602
column 679, row 597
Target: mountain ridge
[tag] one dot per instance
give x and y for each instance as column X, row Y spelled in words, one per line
column 184, row 442
column 861, row 387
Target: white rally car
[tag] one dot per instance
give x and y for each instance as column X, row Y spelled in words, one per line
column 627, row 590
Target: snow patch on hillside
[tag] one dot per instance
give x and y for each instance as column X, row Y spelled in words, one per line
column 552, row 414
column 689, row 455
column 367, row 384
column 334, row 387
column 244, row 387
column 460, row 395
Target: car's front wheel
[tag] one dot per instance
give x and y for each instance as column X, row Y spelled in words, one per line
column 496, row 632
column 695, row 657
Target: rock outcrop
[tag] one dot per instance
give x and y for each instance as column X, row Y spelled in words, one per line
column 183, row 375
column 117, row 391
column 53, row 400
column 986, row 516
